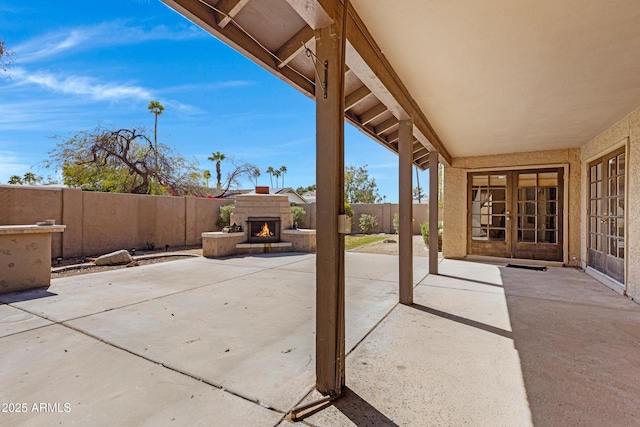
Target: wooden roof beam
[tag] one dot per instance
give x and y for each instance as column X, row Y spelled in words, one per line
column 292, row 47
column 356, row 96
column 229, row 9
column 372, row 113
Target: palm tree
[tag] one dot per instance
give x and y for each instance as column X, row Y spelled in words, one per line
column 270, row 171
column 256, row 173
column 155, row 108
column 277, row 173
column 217, row 157
column 283, row 169
column 206, row 174
column 30, row 178
column 14, row 179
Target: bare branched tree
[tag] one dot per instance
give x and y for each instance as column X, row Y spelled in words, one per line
column 239, row 172
column 121, row 160
column 6, row 58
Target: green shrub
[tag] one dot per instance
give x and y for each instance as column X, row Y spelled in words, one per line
column 224, row 219
column 424, row 228
column 368, row 223
column 347, row 210
column 298, row 214
column 396, row 222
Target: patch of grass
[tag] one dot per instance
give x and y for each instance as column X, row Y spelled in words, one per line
column 351, row 242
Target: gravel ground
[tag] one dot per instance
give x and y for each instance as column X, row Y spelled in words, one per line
column 83, row 265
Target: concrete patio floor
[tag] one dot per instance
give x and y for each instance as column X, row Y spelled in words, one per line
column 231, row 342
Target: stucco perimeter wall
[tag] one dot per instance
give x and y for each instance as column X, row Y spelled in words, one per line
column 454, row 243
column 624, row 133
column 382, row 211
column 102, row 222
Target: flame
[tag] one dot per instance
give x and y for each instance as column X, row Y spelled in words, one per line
column 264, row 232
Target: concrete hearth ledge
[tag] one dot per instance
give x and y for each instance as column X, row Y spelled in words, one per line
column 263, row 245
column 30, row 229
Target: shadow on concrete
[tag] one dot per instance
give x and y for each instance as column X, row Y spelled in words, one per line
column 27, row 295
column 579, row 347
column 360, row 412
column 466, row 279
column 463, row 320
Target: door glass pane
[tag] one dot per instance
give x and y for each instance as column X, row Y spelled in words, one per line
column 525, row 222
column 498, row 180
column 527, row 180
column 480, row 181
column 621, row 164
column 620, row 227
column 592, row 174
column 498, row 208
column 612, row 187
column 478, row 233
column 612, row 169
column 613, row 202
column 526, row 236
column 548, row 179
column 620, row 186
column 599, row 172
column 547, row 236
column 613, row 246
column 526, row 194
column 621, row 249
column 498, row 194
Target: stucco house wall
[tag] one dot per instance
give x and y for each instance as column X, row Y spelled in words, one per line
column 454, row 243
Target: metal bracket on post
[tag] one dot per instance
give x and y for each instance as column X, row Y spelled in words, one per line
column 314, row 60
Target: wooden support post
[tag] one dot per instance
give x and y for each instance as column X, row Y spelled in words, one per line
column 405, row 150
column 433, row 212
column 330, row 344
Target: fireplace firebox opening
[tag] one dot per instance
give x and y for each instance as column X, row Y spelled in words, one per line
column 263, row 229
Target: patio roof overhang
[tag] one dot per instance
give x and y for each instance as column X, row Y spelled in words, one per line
column 276, row 33
column 484, row 77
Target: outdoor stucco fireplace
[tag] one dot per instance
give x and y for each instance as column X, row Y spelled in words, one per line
column 263, row 229
column 267, row 226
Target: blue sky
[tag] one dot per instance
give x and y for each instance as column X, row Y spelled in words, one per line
column 83, row 63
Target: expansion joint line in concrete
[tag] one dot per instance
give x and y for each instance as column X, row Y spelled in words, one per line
column 176, row 370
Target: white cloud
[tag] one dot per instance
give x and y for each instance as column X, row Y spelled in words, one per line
column 115, row 33
column 208, row 86
column 82, row 85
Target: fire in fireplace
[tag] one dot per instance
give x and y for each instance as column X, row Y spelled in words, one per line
column 263, row 229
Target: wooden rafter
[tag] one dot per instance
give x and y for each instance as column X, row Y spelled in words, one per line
column 385, row 126
column 393, row 137
column 229, row 9
column 356, row 96
column 420, row 155
column 292, row 47
column 372, row 113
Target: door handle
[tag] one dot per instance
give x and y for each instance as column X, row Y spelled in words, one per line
column 508, row 215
